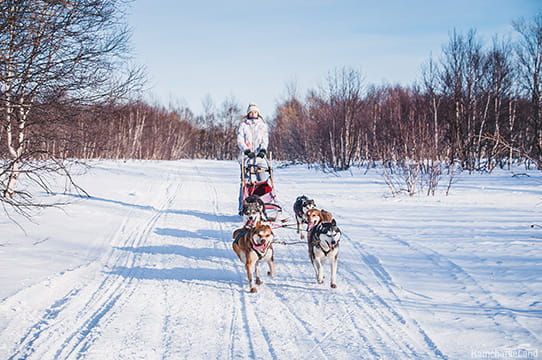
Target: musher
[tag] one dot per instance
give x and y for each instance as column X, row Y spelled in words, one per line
column 253, row 139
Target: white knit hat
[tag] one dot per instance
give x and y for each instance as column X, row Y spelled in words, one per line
column 252, row 107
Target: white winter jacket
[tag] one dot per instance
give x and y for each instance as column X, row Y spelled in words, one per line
column 253, row 135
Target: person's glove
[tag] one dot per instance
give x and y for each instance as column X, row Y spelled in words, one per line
column 249, row 153
column 262, row 153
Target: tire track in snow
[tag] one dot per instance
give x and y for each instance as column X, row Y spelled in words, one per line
column 239, row 299
column 72, row 328
column 34, row 333
column 44, row 339
column 302, row 325
column 350, row 315
column 304, row 318
column 250, row 303
column 327, row 299
column 83, row 338
column 199, row 209
column 388, row 322
column 394, row 318
column 123, row 286
column 389, row 327
column 458, row 275
column 355, row 319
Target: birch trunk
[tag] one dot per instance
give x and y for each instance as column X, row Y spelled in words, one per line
column 16, row 143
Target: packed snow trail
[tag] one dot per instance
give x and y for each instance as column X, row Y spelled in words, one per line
column 168, row 285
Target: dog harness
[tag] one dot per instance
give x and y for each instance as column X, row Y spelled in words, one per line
column 240, row 235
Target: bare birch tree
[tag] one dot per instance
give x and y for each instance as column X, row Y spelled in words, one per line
column 430, row 74
column 529, row 59
column 54, row 53
column 341, row 116
column 498, row 86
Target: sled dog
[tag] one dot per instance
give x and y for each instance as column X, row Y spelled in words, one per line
column 252, row 246
column 301, row 205
column 253, row 211
column 315, row 217
column 323, row 245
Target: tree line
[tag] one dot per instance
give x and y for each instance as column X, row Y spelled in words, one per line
column 477, row 105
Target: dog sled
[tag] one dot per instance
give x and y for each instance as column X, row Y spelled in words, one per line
column 257, row 179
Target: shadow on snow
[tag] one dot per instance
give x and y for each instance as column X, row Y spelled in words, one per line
column 202, row 215
column 220, row 276
column 209, row 254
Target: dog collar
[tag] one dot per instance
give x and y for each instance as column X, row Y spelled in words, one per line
column 316, row 242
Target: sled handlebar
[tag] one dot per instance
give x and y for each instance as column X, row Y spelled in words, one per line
column 253, row 169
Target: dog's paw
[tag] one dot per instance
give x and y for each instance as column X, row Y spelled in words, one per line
column 253, row 290
column 333, row 286
column 270, row 274
column 258, row 282
column 320, row 281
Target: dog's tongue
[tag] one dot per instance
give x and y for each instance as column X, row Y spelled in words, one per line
column 259, row 248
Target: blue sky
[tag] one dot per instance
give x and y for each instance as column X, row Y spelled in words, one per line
column 251, row 50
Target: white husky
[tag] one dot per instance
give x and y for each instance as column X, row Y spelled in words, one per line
column 323, row 244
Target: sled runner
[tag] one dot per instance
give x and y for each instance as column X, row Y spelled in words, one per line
column 257, row 179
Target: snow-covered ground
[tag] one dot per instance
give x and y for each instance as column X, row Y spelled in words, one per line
column 144, row 270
